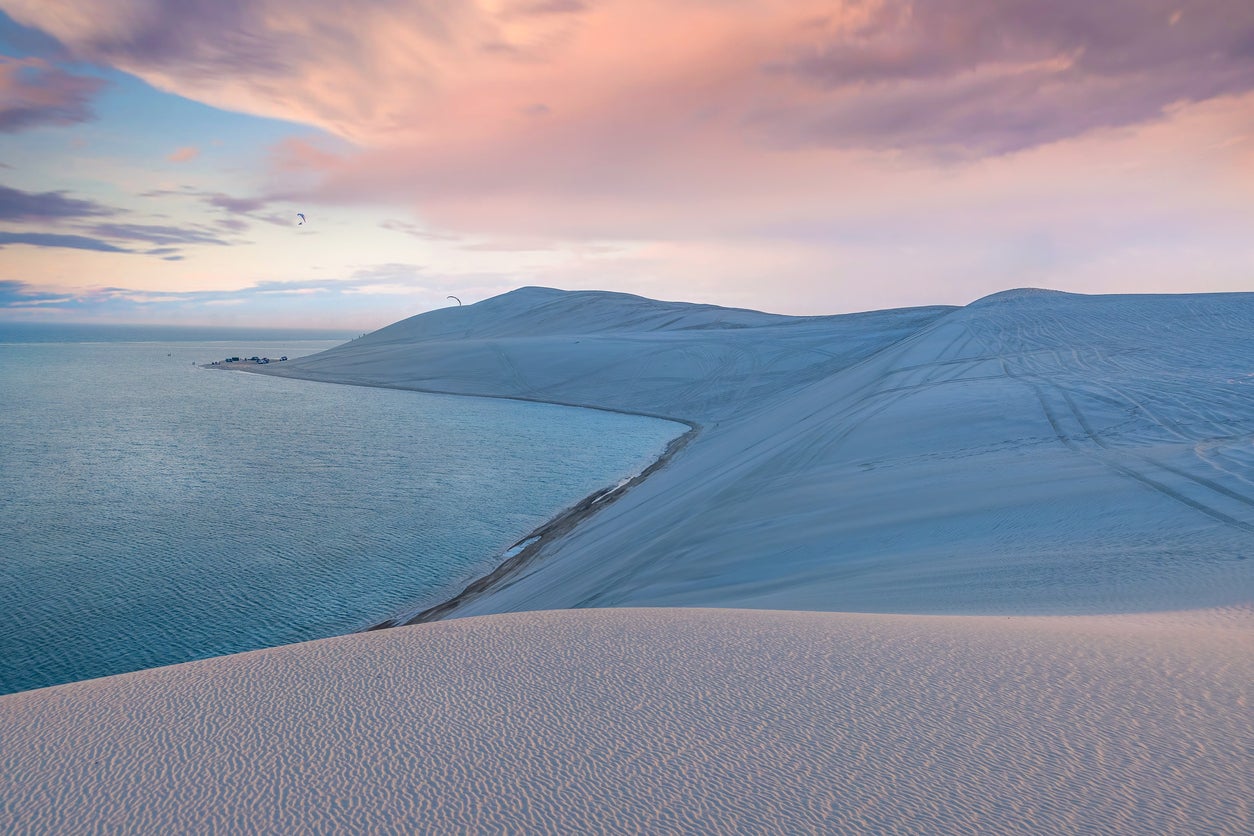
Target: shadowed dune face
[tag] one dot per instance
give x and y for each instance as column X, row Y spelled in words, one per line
column 658, row 721
column 1035, row 452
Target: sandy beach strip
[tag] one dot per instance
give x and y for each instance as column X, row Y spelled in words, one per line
column 661, row 720
column 527, row 549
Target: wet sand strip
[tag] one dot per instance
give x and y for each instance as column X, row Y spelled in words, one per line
column 531, row 544
column 534, row 543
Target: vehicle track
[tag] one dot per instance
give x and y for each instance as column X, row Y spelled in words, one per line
column 1058, row 405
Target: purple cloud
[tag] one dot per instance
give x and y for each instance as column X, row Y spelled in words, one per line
column 35, row 93
column 17, row 205
column 231, row 224
column 166, row 239
column 156, row 234
column 218, row 200
column 49, row 239
column 272, row 57
column 175, row 38
column 15, row 294
column 240, row 210
column 242, row 205
column 55, row 207
column 996, row 76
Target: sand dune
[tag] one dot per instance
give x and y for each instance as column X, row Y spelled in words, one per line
column 659, row 721
column 1032, row 453
column 611, row 350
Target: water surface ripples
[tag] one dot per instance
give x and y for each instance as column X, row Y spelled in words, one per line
column 155, row 512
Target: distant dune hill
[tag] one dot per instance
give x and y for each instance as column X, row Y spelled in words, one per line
column 612, row 350
column 1033, row 452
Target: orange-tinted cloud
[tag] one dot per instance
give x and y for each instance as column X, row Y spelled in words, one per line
column 988, row 142
column 983, row 76
column 184, row 154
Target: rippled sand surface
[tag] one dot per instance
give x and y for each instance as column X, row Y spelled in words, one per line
column 650, row 720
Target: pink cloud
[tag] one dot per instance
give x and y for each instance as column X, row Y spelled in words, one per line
column 989, row 76
column 34, row 93
column 984, row 76
column 184, row 154
column 359, row 70
column 866, row 138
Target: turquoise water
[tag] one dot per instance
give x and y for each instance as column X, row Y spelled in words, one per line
column 155, row 512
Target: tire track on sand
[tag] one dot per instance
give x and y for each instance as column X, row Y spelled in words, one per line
column 1105, row 457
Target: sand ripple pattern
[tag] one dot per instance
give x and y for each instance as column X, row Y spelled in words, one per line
column 658, row 721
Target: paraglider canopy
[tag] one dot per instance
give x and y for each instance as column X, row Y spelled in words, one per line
column 455, row 299
column 302, row 218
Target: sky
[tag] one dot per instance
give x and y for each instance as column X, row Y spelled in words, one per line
column 784, row 155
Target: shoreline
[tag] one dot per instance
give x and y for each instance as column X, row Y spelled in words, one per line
column 528, row 548
column 524, row 551
column 255, row 368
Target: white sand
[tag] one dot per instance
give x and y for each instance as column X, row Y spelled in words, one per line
column 659, row 721
column 1031, row 453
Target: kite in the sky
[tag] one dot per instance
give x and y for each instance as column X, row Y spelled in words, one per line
column 302, row 218
column 455, row 299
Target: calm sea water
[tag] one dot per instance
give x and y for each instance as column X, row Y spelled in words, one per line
column 154, row 512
